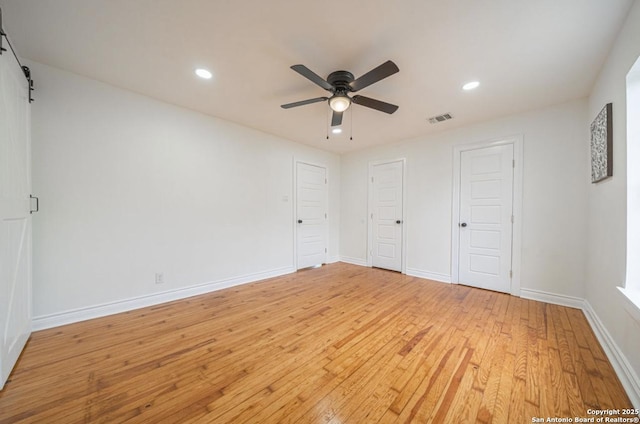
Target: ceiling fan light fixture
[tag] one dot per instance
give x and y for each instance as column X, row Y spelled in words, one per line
column 339, row 103
column 336, row 130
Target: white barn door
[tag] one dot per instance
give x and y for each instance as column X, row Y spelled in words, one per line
column 15, row 221
column 311, row 215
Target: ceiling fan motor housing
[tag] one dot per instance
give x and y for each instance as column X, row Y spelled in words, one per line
column 340, row 80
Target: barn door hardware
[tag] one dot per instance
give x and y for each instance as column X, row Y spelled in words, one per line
column 31, row 197
column 2, row 34
column 27, row 74
column 25, row 69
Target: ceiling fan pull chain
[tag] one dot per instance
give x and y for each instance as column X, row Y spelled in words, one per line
column 351, row 129
column 326, row 127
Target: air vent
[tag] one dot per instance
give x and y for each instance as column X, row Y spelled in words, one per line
column 440, row 118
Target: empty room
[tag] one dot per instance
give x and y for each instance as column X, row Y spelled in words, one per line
column 319, row 212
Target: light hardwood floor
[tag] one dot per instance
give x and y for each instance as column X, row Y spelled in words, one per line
column 338, row 344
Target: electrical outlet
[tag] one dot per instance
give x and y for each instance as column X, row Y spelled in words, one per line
column 159, row 278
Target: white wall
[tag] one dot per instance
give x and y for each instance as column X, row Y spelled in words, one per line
column 555, row 182
column 130, row 186
column 606, row 256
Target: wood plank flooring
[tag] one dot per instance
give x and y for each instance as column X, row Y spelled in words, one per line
column 337, row 344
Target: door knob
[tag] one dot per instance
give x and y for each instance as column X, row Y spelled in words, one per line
column 299, row 221
column 398, row 222
column 464, row 224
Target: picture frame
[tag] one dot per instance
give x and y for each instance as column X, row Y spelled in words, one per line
column 602, row 144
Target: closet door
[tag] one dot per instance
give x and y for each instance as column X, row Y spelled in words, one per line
column 486, row 217
column 311, row 215
column 386, row 215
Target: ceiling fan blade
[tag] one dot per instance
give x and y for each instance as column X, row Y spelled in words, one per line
column 374, row 104
column 313, row 77
column 336, row 119
column 388, row 68
column 304, row 102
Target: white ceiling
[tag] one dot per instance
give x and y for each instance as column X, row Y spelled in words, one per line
column 526, row 54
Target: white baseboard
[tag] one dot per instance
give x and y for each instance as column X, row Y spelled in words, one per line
column 97, row 311
column 625, row 372
column 333, row 259
column 353, row 261
column 556, row 299
column 435, row 276
column 623, row 369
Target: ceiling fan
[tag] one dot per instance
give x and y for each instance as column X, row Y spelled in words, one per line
column 341, row 83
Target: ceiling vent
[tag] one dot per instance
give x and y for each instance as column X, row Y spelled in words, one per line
column 440, row 118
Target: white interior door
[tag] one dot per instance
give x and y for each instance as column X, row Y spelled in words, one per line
column 386, row 216
column 485, row 221
column 15, row 221
column 311, row 215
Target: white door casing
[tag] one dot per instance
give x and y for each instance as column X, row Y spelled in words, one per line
column 386, row 216
column 487, row 205
column 15, row 221
column 311, row 215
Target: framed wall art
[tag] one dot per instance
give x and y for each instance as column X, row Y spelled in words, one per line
column 602, row 145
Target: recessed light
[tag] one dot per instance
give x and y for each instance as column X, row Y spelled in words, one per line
column 470, row 85
column 336, row 130
column 203, row 73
